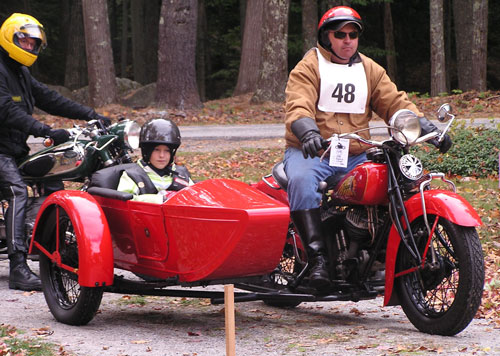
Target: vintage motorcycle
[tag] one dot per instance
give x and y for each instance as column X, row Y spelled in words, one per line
column 89, row 148
column 389, row 232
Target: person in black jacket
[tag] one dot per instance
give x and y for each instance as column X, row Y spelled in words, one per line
column 21, row 39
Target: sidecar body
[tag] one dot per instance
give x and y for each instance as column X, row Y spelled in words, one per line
column 214, row 230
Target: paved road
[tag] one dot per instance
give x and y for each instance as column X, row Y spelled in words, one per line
column 267, row 131
column 275, row 131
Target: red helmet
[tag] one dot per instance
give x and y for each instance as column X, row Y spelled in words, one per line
column 334, row 19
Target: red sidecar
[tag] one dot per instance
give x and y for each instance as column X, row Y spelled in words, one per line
column 214, row 231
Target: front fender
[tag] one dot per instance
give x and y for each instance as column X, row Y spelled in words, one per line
column 95, row 252
column 443, row 203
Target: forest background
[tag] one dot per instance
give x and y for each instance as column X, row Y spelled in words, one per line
column 200, row 50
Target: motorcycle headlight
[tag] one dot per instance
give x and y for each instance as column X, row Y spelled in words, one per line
column 405, row 126
column 131, row 134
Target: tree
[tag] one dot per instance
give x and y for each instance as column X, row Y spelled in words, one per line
column 76, row 64
column 176, row 85
column 309, row 24
column 251, row 52
column 101, row 71
column 145, row 16
column 479, row 44
column 438, row 64
column 471, row 24
column 125, row 37
column 273, row 72
column 390, row 47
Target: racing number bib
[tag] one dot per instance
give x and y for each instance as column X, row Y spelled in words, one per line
column 343, row 88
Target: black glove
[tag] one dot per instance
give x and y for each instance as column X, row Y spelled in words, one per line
column 307, row 132
column 59, row 136
column 427, row 127
column 105, row 121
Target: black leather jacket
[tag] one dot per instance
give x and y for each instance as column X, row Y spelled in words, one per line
column 19, row 94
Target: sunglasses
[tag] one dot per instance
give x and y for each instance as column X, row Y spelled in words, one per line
column 341, row 35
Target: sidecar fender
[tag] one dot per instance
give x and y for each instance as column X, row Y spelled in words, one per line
column 95, row 253
column 443, row 203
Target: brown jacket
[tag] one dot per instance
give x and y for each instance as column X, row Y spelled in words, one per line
column 302, row 95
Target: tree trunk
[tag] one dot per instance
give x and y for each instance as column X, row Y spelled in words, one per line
column 273, row 71
column 390, row 47
column 462, row 10
column 176, row 86
column 124, row 43
column 438, row 69
column 201, row 50
column 145, row 16
column 251, row 50
column 479, row 44
column 309, row 24
column 75, row 74
column 101, row 72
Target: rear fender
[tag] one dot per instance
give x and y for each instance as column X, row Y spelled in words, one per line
column 95, row 253
column 443, row 203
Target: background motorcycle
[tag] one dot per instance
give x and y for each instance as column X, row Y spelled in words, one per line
column 389, row 232
column 89, row 148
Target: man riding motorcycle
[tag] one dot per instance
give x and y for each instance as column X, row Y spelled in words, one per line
column 22, row 38
column 333, row 89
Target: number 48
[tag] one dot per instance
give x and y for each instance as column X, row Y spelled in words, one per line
column 348, row 96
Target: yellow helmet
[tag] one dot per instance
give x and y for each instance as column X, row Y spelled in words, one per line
column 22, row 26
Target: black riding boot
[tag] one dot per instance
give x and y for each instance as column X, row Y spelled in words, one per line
column 21, row 277
column 308, row 224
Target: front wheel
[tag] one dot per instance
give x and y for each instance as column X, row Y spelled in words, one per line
column 442, row 297
column 69, row 302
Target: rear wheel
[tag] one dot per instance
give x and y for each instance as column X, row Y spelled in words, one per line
column 442, row 298
column 69, row 302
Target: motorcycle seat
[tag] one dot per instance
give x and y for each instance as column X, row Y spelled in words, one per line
column 279, row 175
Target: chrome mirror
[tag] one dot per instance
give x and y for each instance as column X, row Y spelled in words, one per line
column 444, row 113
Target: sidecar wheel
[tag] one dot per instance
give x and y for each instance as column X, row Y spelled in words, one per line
column 442, row 300
column 69, row 302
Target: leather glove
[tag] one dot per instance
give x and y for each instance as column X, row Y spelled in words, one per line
column 307, row 132
column 105, row 121
column 59, row 136
column 428, row 127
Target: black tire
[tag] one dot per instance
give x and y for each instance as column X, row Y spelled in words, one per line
column 69, row 302
column 442, row 301
column 279, row 279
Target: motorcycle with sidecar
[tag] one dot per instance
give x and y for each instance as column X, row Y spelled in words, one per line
column 389, row 233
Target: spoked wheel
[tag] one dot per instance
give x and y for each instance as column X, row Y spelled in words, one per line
column 443, row 296
column 286, row 271
column 69, row 302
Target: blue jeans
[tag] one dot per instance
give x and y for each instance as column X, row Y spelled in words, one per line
column 304, row 175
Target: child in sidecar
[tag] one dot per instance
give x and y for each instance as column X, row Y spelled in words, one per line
column 155, row 174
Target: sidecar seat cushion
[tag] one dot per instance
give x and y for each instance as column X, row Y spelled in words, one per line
column 109, row 177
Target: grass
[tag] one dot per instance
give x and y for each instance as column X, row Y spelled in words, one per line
column 11, row 344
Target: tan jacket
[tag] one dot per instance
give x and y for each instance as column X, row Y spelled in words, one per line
column 302, row 94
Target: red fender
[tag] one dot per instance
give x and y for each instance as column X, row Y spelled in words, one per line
column 95, row 252
column 443, row 203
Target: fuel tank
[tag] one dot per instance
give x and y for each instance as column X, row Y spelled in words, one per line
column 366, row 184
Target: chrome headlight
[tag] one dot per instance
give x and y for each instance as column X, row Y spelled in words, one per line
column 131, row 134
column 405, row 126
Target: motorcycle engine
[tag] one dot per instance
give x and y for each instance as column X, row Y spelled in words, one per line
column 357, row 225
